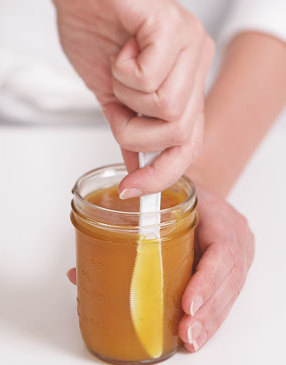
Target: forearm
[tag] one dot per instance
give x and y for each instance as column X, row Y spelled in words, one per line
column 246, row 99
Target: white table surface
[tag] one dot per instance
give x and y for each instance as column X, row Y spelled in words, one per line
column 38, row 320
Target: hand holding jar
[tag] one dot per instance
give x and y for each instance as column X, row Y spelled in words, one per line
column 224, row 252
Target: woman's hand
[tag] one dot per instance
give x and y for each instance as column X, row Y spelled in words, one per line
column 147, row 57
column 224, row 253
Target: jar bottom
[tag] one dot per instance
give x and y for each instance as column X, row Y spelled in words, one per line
column 142, row 362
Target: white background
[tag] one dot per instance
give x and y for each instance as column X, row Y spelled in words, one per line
column 39, row 165
column 38, row 320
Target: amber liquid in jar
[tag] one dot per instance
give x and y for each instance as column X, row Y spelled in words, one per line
column 106, row 258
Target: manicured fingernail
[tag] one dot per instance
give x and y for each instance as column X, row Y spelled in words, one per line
column 130, row 193
column 199, row 341
column 196, row 304
column 194, row 331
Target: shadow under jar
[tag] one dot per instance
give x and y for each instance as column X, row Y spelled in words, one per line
column 130, row 287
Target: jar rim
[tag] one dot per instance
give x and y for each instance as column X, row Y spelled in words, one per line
column 188, row 203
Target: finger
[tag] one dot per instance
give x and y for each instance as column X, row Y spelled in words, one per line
column 140, row 134
column 71, row 274
column 144, row 65
column 215, row 265
column 171, row 99
column 167, row 168
column 131, row 160
column 196, row 335
column 211, row 315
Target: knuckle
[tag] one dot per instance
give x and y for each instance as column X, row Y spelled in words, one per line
column 243, row 220
column 151, row 171
column 198, row 26
column 167, row 108
column 180, row 135
column 116, row 68
column 146, row 82
column 213, row 312
column 121, row 137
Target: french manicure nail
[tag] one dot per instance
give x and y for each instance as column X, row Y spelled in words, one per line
column 196, row 303
column 194, row 331
column 199, row 341
column 130, row 193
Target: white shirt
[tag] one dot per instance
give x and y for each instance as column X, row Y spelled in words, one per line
column 224, row 19
column 38, row 84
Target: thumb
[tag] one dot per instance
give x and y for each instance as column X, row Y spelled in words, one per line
column 165, row 170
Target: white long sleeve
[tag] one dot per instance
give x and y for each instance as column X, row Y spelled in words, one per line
column 268, row 16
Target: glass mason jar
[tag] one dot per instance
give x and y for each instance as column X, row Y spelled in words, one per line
column 129, row 287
